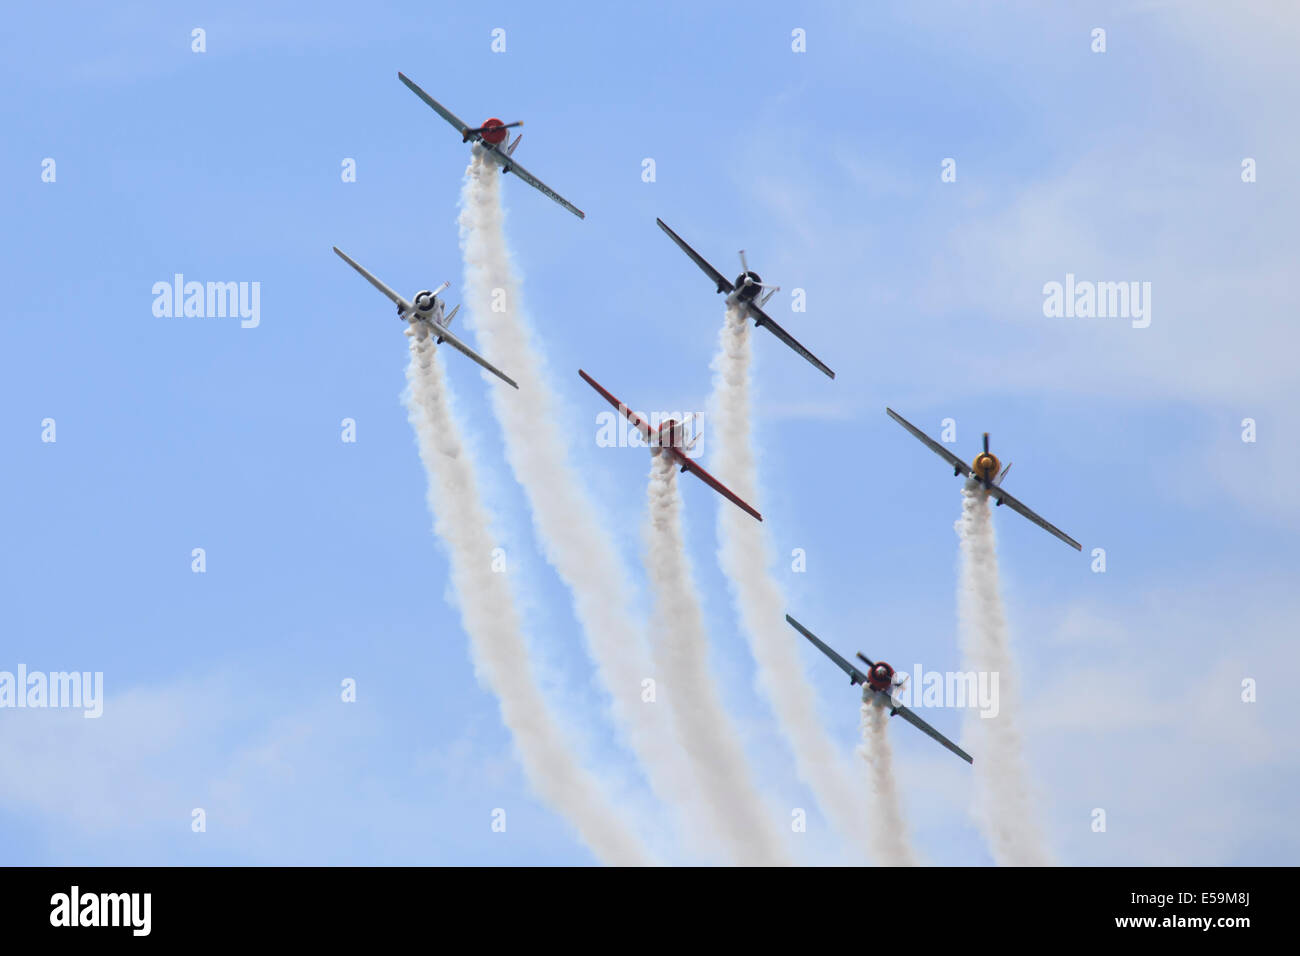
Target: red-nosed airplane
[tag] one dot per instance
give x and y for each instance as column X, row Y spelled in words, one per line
column 878, row 684
column 491, row 137
column 744, row 293
column 670, row 439
column 984, row 471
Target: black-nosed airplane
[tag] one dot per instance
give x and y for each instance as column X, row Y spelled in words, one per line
column 877, row 686
column 492, row 136
column 744, row 293
column 984, row 470
column 425, row 316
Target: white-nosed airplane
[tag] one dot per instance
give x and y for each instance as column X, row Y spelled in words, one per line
column 670, row 439
column 491, row 137
column 984, row 471
column 878, row 684
column 744, row 292
column 424, row 316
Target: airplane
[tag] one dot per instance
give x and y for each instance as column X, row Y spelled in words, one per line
column 491, row 138
column 878, row 684
column 425, row 316
column 743, row 292
column 984, row 471
column 670, row 439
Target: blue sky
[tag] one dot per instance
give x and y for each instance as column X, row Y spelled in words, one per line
column 222, row 688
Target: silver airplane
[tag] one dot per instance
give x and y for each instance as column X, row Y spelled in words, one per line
column 878, row 685
column 425, row 316
column 744, row 292
column 984, row 470
column 491, row 137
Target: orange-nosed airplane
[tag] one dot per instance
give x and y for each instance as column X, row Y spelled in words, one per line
column 984, row 471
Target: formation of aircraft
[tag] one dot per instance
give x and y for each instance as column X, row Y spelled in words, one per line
column 744, row 292
column 878, row 685
column 425, row 316
column 491, row 138
column 670, row 439
column 984, row 470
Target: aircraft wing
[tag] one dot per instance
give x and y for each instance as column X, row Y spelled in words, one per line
column 440, row 332
column 401, row 303
column 929, row 731
column 719, row 487
column 438, row 108
column 639, row 423
column 1020, row 508
column 933, row 445
column 855, row 676
column 766, row 321
column 723, row 283
column 512, row 166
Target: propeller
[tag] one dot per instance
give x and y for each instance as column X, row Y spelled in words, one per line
column 866, row 660
column 482, row 129
column 986, row 443
column 747, row 280
column 442, row 288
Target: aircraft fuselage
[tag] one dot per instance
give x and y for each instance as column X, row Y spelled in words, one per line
column 427, row 314
column 986, row 467
column 748, row 285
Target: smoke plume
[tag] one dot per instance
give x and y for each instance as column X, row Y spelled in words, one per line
column 1005, row 805
column 490, row 618
column 888, row 827
column 746, row 556
column 681, row 651
column 575, row 544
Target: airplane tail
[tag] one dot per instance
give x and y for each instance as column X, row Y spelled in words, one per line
column 510, row 150
column 447, row 321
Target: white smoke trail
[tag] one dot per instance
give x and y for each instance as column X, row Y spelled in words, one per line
column 746, row 555
column 1005, row 803
column 490, row 618
column 681, row 650
column 537, row 448
column 890, row 829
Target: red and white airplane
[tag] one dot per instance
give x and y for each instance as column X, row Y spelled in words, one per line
column 878, row 684
column 491, row 138
column 670, row 439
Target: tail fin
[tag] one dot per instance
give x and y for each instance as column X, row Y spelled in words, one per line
column 1004, row 473
column 451, row 315
column 510, row 150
